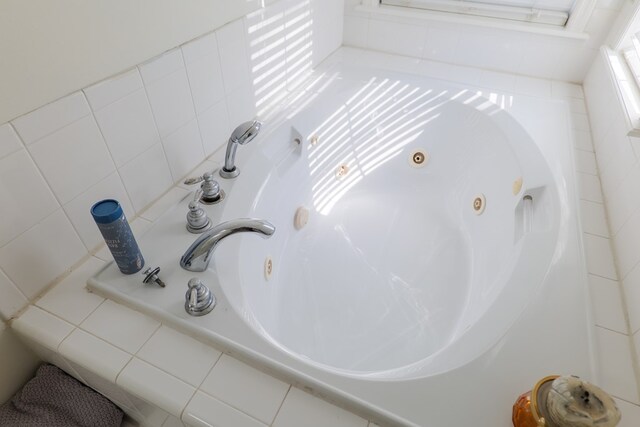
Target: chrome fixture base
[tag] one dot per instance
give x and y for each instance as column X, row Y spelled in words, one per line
column 229, row 174
column 199, row 299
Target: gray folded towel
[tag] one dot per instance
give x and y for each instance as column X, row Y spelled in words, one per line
column 54, row 399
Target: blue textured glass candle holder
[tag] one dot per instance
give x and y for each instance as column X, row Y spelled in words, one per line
column 115, row 229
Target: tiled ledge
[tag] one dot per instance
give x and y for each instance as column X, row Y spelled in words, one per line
column 162, row 377
column 158, row 375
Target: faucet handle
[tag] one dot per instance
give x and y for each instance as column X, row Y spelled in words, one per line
column 197, row 219
column 211, row 191
column 193, row 180
column 199, row 299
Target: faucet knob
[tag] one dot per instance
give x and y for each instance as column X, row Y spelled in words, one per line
column 199, row 299
column 197, row 219
column 211, row 191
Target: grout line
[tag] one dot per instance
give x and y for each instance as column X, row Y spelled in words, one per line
column 281, row 405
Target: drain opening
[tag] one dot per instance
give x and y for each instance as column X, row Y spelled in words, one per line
column 418, row 158
column 479, row 204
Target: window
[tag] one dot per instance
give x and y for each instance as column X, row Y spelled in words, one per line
column 551, row 12
column 632, row 56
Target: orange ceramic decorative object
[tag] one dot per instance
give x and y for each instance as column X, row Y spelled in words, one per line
column 525, row 410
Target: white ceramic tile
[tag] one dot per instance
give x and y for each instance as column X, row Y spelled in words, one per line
column 146, row 177
column 356, row 31
column 120, row 326
column 150, row 414
column 139, row 226
column 577, row 106
column 241, row 106
column 78, row 210
column 171, row 102
column 12, row 299
column 607, row 304
column 41, row 254
column 631, row 284
column 179, row 355
column 168, row 200
column 51, row 117
column 245, row 388
column 615, row 159
column 48, row 355
column 108, row 91
column 84, row 154
column 589, row 186
column 440, row 44
column 585, row 162
column 300, row 408
column 467, row 75
column 69, row 299
column 156, row 386
column 533, row 87
column 326, row 28
column 9, row 141
column 614, row 363
column 490, row 49
column 593, row 217
column 582, row 140
column 172, row 421
column 107, row 388
column 407, row 39
column 624, row 201
column 498, row 81
column 436, row 70
column 580, row 122
column 566, row 90
column 214, row 127
column 94, row 354
column 205, row 411
column 626, row 245
column 42, row 327
column 128, row 126
column 599, row 256
column 630, row 413
column 204, row 71
column 161, row 66
column 183, row 149
column 234, row 59
column 25, row 195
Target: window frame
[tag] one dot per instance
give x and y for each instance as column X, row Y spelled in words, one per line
column 577, row 22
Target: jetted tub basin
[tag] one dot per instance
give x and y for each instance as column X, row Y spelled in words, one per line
column 425, row 242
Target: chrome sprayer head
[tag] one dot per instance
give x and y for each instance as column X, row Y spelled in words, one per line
column 241, row 135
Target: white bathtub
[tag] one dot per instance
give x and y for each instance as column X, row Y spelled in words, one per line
column 397, row 298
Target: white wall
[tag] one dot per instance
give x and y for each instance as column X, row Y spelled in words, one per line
column 51, row 48
column 618, row 158
column 510, row 51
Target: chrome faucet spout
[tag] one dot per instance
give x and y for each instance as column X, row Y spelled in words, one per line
column 197, row 257
column 241, row 135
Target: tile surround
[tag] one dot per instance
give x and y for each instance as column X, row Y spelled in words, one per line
column 143, row 187
column 245, row 388
column 125, row 328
